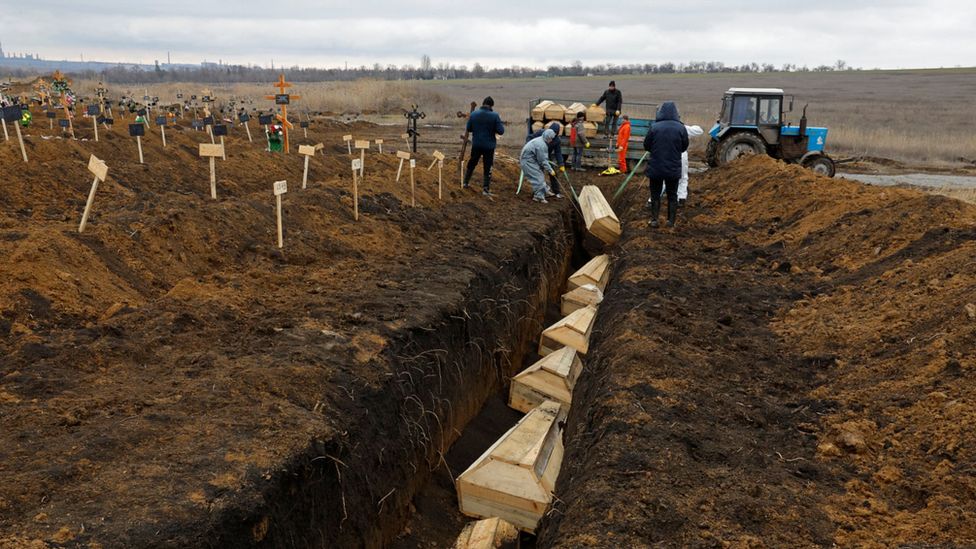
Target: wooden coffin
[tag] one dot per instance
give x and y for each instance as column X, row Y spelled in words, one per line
column 596, row 114
column 492, row 533
column 577, row 298
column 514, row 479
column 539, row 111
column 552, row 378
column 600, row 220
column 556, row 112
column 590, row 129
column 596, row 272
column 536, row 126
column 572, row 110
column 573, row 330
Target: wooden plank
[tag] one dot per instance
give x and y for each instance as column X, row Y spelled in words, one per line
column 98, row 168
column 492, row 533
column 600, row 220
column 595, row 272
column 211, row 150
column 307, row 150
column 403, row 155
column 572, row 331
column 361, row 144
column 507, row 480
column 576, row 299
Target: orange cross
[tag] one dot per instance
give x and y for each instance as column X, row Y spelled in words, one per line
column 283, row 117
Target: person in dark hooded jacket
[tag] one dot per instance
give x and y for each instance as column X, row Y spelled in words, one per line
column 664, row 143
column 483, row 124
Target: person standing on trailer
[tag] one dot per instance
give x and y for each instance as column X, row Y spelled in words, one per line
column 534, row 161
column 578, row 140
column 483, row 125
column 693, row 131
column 615, row 102
column 665, row 142
column 623, row 143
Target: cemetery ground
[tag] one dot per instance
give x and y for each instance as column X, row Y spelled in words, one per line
column 792, row 366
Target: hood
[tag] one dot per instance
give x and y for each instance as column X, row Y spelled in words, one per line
column 555, row 127
column 668, row 111
column 548, row 135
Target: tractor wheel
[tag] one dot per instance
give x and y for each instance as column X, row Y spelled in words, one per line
column 711, row 153
column 740, row 144
column 822, row 165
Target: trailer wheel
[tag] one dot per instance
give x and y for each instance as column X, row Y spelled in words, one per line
column 740, row 144
column 822, row 165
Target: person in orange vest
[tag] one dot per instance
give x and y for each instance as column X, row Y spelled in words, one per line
column 623, row 141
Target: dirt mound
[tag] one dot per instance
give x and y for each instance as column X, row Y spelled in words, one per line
column 791, row 367
column 171, row 378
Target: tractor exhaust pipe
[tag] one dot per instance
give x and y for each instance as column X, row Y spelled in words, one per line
column 803, row 122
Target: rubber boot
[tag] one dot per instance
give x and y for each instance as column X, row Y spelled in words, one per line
column 655, row 212
column 672, row 212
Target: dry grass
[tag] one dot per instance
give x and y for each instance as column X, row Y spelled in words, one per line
column 922, row 116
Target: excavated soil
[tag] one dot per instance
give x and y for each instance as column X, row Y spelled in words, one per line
column 792, row 366
column 171, row 378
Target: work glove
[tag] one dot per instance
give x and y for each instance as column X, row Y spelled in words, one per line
column 617, row 113
column 587, row 145
column 593, row 105
column 562, row 169
column 552, row 173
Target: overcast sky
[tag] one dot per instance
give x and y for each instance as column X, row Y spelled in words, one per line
column 868, row 34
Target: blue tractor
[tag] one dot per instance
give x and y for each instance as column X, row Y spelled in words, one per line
column 752, row 122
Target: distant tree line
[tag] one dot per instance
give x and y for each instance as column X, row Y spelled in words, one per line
column 426, row 70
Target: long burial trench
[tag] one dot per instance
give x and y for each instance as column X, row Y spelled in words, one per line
column 171, row 379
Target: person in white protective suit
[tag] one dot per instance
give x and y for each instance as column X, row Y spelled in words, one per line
column 693, row 131
column 534, row 161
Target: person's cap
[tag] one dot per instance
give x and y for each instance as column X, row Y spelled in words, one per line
column 488, row 102
column 613, row 83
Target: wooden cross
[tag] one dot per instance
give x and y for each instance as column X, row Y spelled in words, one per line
column 283, row 117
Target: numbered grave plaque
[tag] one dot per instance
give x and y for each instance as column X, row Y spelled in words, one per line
column 208, row 121
column 244, row 117
column 282, row 99
column 12, row 113
column 51, row 114
column 160, row 120
column 92, row 110
column 137, row 130
column 303, row 124
column 220, row 129
column 63, row 122
column 109, row 121
column 264, row 119
column 196, row 125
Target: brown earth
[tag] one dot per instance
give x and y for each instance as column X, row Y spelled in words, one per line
column 171, row 378
column 792, row 366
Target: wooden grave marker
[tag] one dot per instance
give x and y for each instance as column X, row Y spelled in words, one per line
column 551, row 378
column 13, row 114
column 137, row 131
column 282, row 99
column 93, row 112
column 406, row 137
column 307, row 151
column 596, row 272
column 492, row 533
column 244, row 118
column 221, row 131
column 600, row 220
column 6, row 136
column 439, row 160
column 304, row 126
column 100, row 171
column 402, row 156
column 413, row 186
column 280, row 188
column 379, row 143
column 357, row 166
column 212, row 151
column 348, row 140
column 362, row 146
column 574, row 330
column 161, row 122
column 514, row 479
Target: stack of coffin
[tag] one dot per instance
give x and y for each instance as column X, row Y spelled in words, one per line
column 492, row 533
column 600, row 220
column 514, row 479
column 551, row 378
column 573, row 110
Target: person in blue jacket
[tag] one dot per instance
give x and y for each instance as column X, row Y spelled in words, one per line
column 664, row 143
column 483, row 124
column 555, row 153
